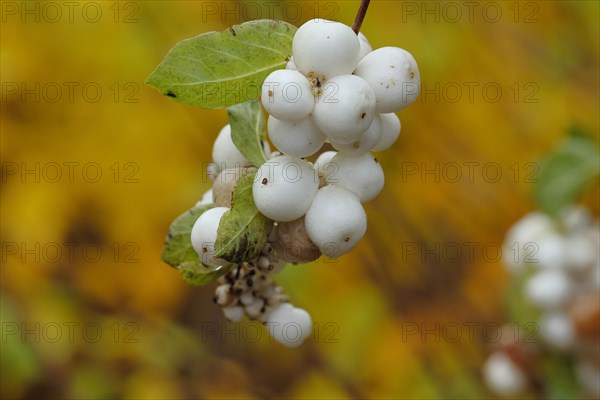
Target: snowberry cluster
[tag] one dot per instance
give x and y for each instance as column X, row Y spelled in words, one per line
column 560, row 263
column 335, row 89
column 248, row 289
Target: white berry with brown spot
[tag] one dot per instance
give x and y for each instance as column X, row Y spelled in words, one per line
column 325, row 49
column 295, row 138
column 204, row 236
column 335, row 221
column 393, row 74
column 287, row 95
column 284, row 187
column 345, row 109
column 362, row 175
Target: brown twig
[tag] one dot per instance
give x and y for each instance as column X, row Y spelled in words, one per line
column 360, row 16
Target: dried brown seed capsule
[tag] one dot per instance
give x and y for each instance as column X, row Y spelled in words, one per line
column 224, row 185
column 294, row 243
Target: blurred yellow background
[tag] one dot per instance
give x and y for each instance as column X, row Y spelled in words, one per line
column 95, row 166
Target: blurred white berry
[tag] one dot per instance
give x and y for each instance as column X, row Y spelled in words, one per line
column 503, row 376
column 588, row 375
column 335, row 221
column 247, row 298
column 223, row 295
column 393, row 74
column 521, row 245
column 254, row 309
column 295, row 138
column 345, row 109
column 204, row 236
column 224, row 152
column 530, row 227
column 206, row 200
column 549, row 251
column 284, row 187
column 234, row 313
column 575, row 218
column 365, row 142
column 390, row 130
column 362, row 175
column 286, row 94
column 289, row 325
column 325, row 49
column 580, row 251
column 557, row 330
column 548, row 289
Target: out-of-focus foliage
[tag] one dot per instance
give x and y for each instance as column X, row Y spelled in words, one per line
column 565, row 172
column 109, row 319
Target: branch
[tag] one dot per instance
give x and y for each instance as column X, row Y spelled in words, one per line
column 360, row 16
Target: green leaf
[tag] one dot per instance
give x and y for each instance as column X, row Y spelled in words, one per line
column 197, row 274
column 243, row 230
column 179, row 253
column 521, row 311
column 558, row 377
column 178, row 245
column 248, row 130
column 565, row 173
column 219, row 69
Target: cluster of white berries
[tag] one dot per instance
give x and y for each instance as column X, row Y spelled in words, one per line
column 335, row 89
column 247, row 289
column 560, row 262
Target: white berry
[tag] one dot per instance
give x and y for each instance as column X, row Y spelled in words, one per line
column 502, row 376
column 204, row 236
column 207, row 199
column 345, row 109
column 295, row 138
column 325, row 49
column 365, row 142
column 284, row 188
column 289, row 325
column 549, row 251
column 365, row 46
column 548, row 289
column 234, row 313
column 321, row 164
column 394, row 75
column 286, row 94
column 581, row 251
column 362, row 175
column 521, row 240
column 224, row 152
column 390, row 130
column 557, row 330
column 335, row 221
column 291, row 65
column 588, row 374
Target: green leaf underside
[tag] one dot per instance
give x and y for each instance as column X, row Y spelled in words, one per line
column 243, row 230
column 565, row 173
column 179, row 253
column 248, row 130
column 219, row 69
